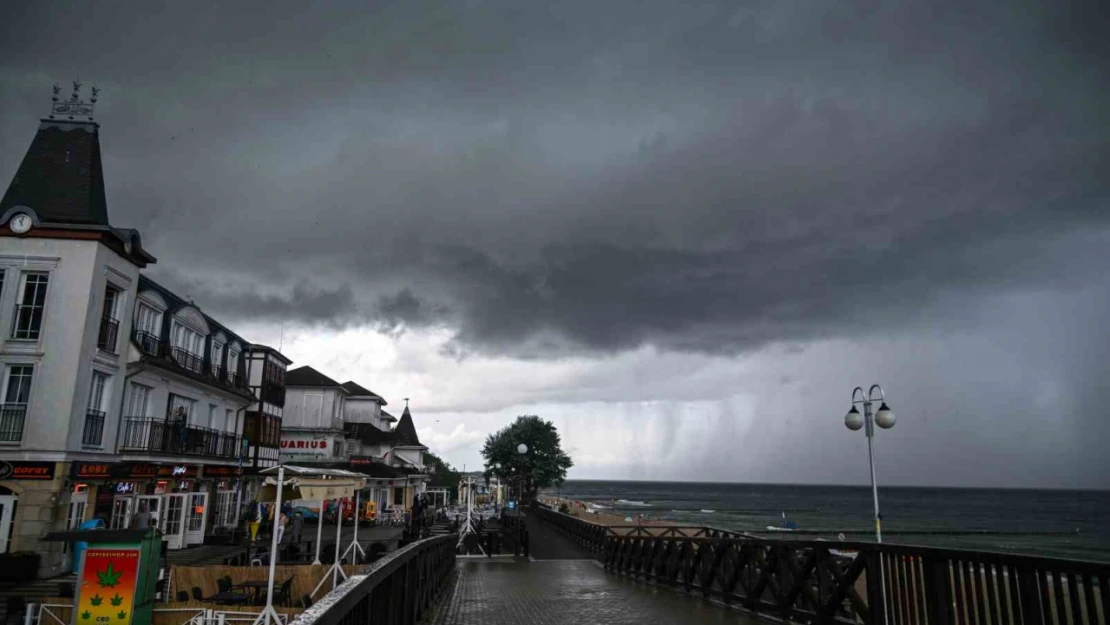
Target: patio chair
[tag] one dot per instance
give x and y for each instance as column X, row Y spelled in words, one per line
column 182, row 596
column 285, row 594
column 306, row 601
column 223, row 584
column 198, row 595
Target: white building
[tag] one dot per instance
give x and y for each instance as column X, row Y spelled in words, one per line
column 344, row 426
column 312, row 427
column 113, row 390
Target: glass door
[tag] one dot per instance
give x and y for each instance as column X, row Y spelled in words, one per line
column 173, row 521
column 196, row 518
column 154, row 506
column 121, row 512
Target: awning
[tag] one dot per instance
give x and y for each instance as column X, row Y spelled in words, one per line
column 312, row 483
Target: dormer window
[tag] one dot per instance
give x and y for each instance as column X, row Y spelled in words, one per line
column 217, row 358
column 233, row 364
column 187, row 346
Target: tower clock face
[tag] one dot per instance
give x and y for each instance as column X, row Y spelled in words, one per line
column 20, row 223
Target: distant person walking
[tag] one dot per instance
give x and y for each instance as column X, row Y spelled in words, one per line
column 142, row 518
column 298, row 525
column 282, row 522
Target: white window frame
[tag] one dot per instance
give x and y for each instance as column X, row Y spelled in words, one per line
column 98, row 394
column 150, row 323
column 8, row 379
column 186, row 338
column 217, row 354
column 135, row 391
column 20, row 295
column 189, row 404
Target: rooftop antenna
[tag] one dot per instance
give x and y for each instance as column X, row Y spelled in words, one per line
column 406, row 402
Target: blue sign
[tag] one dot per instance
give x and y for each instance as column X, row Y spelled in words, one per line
column 512, row 505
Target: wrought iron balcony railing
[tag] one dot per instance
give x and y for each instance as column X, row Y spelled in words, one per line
column 94, row 428
column 12, row 417
column 153, row 435
column 106, row 338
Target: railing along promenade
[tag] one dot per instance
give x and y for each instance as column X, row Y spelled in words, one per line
column 394, row 590
column 818, row 582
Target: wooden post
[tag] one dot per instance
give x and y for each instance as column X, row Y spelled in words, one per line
column 876, row 594
column 938, row 591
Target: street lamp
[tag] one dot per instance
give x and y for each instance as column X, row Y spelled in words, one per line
column 884, row 418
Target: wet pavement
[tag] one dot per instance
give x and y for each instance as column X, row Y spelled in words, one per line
column 518, row 591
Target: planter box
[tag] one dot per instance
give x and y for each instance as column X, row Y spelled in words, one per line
column 23, row 567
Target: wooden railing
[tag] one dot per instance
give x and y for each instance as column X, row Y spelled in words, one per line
column 394, row 590
column 817, row 582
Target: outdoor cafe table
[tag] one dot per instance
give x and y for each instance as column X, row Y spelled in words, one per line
column 231, row 598
column 258, row 585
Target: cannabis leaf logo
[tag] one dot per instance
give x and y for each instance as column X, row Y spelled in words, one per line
column 121, row 615
column 116, row 600
column 86, row 615
column 96, row 600
column 109, row 577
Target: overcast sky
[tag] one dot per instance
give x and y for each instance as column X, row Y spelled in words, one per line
column 683, row 231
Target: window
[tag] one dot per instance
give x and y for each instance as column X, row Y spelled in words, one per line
column 109, row 320
column 17, row 389
column 29, row 307
column 228, row 420
column 217, row 357
column 232, row 363
column 213, row 418
column 16, row 393
column 187, row 339
column 96, row 394
column 148, row 320
column 188, row 345
column 94, row 415
column 138, row 400
column 180, row 409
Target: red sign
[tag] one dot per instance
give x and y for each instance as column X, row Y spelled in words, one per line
column 288, row 444
column 221, row 471
column 90, row 470
column 27, row 471
column 108, row 584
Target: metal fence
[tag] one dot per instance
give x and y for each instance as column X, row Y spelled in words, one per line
column 394, row 590
column 840, row 582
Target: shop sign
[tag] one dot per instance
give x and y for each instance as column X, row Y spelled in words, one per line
column 91, row 470
column 222, row 471
column 155, row 470
column 109, row 582
column 319, row 444
column 26, row 470
column 125, row 488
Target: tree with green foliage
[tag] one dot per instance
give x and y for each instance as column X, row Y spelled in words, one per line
column 545, row 463
column 443, row 474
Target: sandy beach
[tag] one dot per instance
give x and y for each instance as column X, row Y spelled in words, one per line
column 600, row 516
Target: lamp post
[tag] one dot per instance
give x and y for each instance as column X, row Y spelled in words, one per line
column 884, row 418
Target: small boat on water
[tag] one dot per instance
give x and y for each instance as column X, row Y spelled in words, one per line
column 787, row 526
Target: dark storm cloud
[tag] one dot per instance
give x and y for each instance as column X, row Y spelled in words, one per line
column 573, row 176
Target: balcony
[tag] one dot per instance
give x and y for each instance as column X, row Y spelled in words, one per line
column 11, row 422
column 150, row 435
column 148, row 343
column 94, row 428
column 188, row 359
column 216, row 371
column 106, row 339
